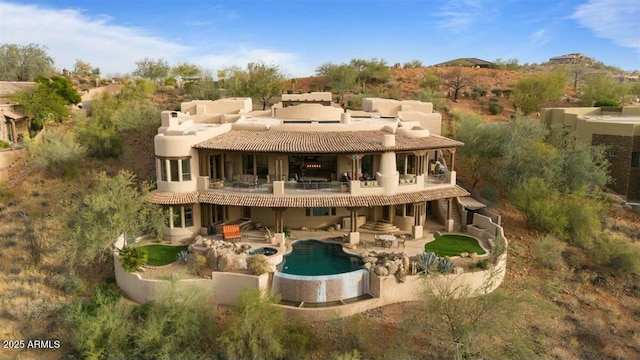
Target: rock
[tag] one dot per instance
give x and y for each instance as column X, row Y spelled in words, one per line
column 368, row 266
column 371, row 259
column 225, row 262
column 406, row 262
column 400, row 275
column 199, row 240
column 392, row 267
column 474, row 256
column 212, row 258
column 464, row 254
column 240, row 262
column 381, row 270
column 207, row 243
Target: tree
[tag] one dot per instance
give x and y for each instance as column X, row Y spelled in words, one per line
column 371, row 72
column 341, row 79
column 482, row 146
column 600, row 86
column 413, row 64
column 430, row 81
column 24, row 63
column 185, row 71
column 531, row 92
column 457, row 79
column 205, row 89
column 155, row 70
column 82, row 69
column 259, row 81
column 42, row 105
column 115, row 205
column 63, row 87
column 257, row 328
column 540, row 204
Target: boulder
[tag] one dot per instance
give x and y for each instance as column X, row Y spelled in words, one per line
column 406, row 262
column 225, row 261
column 381, row 270
column 473, row 256
column 240, row 262
column 464, row 254
column 392, row 267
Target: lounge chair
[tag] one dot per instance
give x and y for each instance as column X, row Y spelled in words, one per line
column 231, row 232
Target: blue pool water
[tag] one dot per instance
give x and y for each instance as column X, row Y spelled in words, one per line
column 314, row 257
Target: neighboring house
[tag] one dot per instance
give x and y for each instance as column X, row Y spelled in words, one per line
column 573, row 59
column 616, row 128
column 468, row 62
column 12, row 121
column 306, row 165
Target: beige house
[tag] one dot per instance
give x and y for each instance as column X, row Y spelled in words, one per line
column 12, row 121
column 303, row 163
column 616, row 128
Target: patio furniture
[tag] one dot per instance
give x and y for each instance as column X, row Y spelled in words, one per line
column 377, row 240
column 387, row 240
column 231, row 232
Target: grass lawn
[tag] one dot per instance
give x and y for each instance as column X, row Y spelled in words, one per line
column 453, row 245
column 158, row 255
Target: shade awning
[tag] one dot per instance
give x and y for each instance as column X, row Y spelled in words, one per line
column 470, row 203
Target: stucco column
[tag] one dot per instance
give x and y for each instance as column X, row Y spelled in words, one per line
column 449, row 221
column 279, row 226
column 453, row 159
column 354, row 235
column 388, row 176
column 418, row 229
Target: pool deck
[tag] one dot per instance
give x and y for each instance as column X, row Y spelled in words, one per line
column 367, row 243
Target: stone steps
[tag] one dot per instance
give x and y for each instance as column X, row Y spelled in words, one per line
column 379, row 226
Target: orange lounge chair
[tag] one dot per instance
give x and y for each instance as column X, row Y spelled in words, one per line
column 231, row 232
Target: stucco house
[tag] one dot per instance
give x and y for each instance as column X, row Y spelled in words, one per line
column 616, row 128
column 12, row 121
column 304, row 163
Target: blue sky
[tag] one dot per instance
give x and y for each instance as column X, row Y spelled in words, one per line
column 300, row 35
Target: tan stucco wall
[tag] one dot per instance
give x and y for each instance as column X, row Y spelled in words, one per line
column 309, row 111
column 223, row 288
column 220, row 106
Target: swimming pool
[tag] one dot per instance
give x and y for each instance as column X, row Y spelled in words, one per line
column 317, row 271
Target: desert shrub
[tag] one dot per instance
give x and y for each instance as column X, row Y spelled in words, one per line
column 616, row 252
column 475, row 95
column 466, row 94
column 481, row 265
column 256, row 329
column 497, row 92
column 540, row 205
column 58, row 153
column 606, row 103
column 574, row 257
column 495, row 108
column 131, row 258
column 584, row 222
column 4, row 144
column 494, row 99
column 481, row 92
column 547, row 251
column 258, row 264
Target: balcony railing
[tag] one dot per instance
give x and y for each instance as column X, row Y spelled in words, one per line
column 321, row 186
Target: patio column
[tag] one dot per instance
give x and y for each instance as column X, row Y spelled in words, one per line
column 279, row 225
column 449, row 222
column 354, row 235
column 453, row 159
column 418, row 229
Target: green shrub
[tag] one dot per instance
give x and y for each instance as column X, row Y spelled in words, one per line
column 258, row 264
column 616, row 252
column 584, row 222
column 4, row 144
column 547, row 251
column 131, row 258
column 494, row 99
column 480, row 91
column 497, row 92
column 574, row 257
column 495, row 108
column 606, row 103
column 482, row 264
column 475, row 95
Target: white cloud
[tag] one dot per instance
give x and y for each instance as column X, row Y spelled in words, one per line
column 540, row 37
column 616, row 20
column 71, row 34
column 458, row 15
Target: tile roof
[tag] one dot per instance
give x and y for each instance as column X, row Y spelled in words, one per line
column 278, row 141
column 338, row 200
column 169, row 198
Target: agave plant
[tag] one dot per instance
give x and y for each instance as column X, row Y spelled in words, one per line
column 182, row 256
column 445, row 266
column 426, row 262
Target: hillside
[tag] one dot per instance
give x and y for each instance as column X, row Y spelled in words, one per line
column 577, row 311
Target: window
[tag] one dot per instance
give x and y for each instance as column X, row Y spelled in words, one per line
column 635, row 159
column 186, row 170
column 324, row 211
column 176, row 213
column 173, row 169
column 247, row 163
column 163, row 169
column 188, row 216
column 612, row 153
